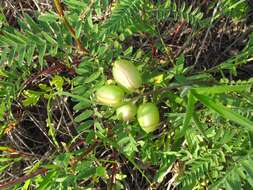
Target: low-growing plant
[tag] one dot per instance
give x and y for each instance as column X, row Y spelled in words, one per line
column 119, row 95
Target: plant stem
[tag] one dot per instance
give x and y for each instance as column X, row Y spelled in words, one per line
column 72, row 31
column 23, row 178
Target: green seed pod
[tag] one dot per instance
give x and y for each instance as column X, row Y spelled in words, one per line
column 127, row 75
column 126, row 112
column 148, row 117
column 110, row 95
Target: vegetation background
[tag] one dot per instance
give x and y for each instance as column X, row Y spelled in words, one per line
column 196, row 62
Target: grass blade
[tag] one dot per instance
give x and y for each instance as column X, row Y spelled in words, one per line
column 224, row 111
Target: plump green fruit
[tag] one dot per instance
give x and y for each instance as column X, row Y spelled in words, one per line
column 110, row 95
column 126, row 74
column 148, row 117
column 126, row 112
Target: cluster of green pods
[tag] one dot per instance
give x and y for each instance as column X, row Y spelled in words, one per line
column 129, row 80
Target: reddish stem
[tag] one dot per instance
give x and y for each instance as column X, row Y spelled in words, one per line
column 23, row 178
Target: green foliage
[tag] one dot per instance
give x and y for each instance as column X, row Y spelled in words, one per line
column 124, row 15
column 33, row 38
column 241, row 170
column 204, row 139
column 179, row 12
column 235, row 9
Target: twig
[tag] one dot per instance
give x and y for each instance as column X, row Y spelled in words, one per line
column 15, row 153
column 58, row 67
column 72, row 31
column 47, row 71
column 23, row 178
column 207, row 32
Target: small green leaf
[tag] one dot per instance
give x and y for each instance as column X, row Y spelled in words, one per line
column 100, row 171
column 180, row 60
column 100, row 132
column 85, row 169
column 29, row 53
column 47, row 180
column 93, row 77
column 35, row 28
column 80, row 98
column 16, row 39
column 48, row 17
column 49, row 38
column 81, row 105
column 58, row 82
column 2, row 110
column 21, row 54
column 45, row 87
column 83, row 116
column 84, row 126
column 128, row 51
column 31, row 97
column 128, row 144
column 42, row 51
column 12, row 54
column 82, row 71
